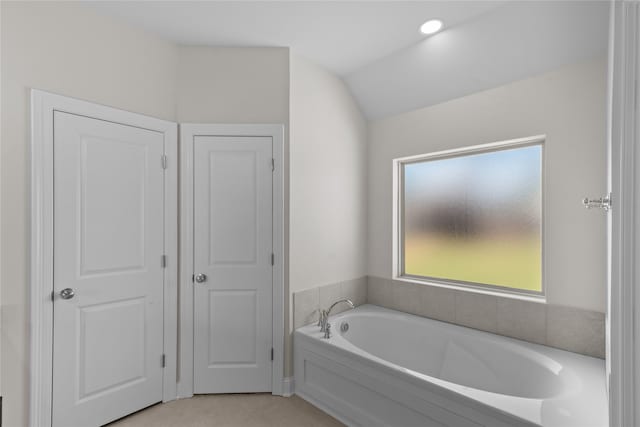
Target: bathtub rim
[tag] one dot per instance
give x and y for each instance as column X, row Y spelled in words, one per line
column 309, row 336
column 565, row 380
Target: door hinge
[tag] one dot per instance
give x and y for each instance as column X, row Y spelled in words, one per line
column 603, row 202
column 163, row 261
column 273, row 164
column 164, row 161
column 272, row 354
column 273, row 259
column 164, row 360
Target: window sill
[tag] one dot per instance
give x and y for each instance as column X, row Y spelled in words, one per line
column 541, row 299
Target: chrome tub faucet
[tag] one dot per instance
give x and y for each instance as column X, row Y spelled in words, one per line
column 323, row 318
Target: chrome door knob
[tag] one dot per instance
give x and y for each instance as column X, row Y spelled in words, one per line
column 67, row 293
column 201, row 278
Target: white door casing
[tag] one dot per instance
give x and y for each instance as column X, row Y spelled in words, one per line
column 233, row 248
column 113, row 217
column 623, row 322
column 43, row 107
column 225, row 168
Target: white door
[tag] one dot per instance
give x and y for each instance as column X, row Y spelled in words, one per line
column 232, row 264
column 108, row 243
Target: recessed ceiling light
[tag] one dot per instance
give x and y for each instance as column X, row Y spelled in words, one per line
column 432, row 26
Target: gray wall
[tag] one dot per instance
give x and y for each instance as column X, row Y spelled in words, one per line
column 328, row 184
column 569, row 106
column 68, row 49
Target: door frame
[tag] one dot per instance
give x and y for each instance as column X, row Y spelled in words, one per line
column 43, row 106
column 623, row 314
column 187, row 133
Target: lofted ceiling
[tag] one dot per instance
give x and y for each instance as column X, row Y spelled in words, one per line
column 509, row 43
column 375, row 46
column 339, row 35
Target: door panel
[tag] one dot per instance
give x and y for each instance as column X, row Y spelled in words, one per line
column 108, row 242
column 233, row 195
column 120, row 325
column 112, row 238
column 233, row 322
column 232, row 246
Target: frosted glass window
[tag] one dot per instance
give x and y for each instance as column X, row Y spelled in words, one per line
column 474, row 218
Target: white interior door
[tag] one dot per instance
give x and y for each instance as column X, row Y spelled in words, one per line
column 108, row 243
column 233, row 250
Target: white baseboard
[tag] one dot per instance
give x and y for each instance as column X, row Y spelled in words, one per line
column 288, row 387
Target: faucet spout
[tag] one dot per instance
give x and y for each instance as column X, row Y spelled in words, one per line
column 323, row 320
column 346, row 301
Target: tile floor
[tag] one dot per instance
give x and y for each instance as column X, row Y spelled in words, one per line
column 231, row 410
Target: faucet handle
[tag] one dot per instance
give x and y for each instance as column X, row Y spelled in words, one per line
column 327, row 331
column 324, row 317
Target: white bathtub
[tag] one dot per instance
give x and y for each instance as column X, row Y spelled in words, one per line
column 394, row 369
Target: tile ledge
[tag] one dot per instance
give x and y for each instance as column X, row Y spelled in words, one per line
column 529, row 298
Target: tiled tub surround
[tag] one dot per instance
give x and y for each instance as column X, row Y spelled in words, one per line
column 566, row 328
column 306, row 303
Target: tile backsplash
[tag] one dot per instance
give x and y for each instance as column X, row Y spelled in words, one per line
column 306, row 303
column 567, row 328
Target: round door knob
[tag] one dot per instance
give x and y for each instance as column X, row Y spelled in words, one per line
column 67, row 293
column 201, row 278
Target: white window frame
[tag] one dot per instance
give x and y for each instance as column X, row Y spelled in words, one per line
column 398, row 205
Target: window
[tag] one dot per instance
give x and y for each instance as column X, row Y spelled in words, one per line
column 473, row 217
